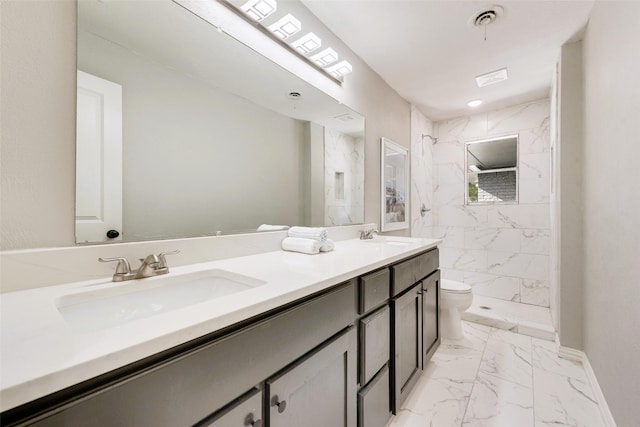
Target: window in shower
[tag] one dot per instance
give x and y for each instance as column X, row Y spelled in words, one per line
column 492, row 170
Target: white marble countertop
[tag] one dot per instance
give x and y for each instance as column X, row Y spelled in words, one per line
column 41, row 354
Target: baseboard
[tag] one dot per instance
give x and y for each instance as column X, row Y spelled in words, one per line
column 571, row 354
column 580, row 356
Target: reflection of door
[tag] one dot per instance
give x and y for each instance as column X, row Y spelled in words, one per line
column 98, row 159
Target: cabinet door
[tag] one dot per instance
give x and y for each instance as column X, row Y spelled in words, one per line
column 374, row 343
column 244, row 412
column 319, row 390
column 431, row 320
column 407, row 343
column 373, row 401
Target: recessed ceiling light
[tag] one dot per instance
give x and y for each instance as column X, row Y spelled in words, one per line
column 307, row 43
column 492, row 77
column 474, row 103
column 325, row 57
column 340, row 69
column 259, row 9
column 286, row 26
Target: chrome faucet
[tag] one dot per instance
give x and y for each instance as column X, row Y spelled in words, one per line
column 152, row 265
column 368, row 234
column 149, row 267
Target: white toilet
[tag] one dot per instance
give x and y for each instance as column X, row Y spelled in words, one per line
column 455, row 298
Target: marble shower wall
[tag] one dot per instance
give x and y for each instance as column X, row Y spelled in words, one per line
column 343, row 194
column 421, row 174
column 502, row 251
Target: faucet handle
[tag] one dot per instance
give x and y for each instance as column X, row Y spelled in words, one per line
column 123, row 267
column 163, row 260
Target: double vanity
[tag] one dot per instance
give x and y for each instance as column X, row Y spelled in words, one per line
column 272, row 339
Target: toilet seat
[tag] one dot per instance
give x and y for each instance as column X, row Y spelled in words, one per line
column 454, row 287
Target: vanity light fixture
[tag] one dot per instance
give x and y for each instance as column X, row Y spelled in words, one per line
column 474, row 103
column 492, row 78
column 285, row 27
column 307, row 43
column 259, row 9
column 326, row 57
column 340, row 69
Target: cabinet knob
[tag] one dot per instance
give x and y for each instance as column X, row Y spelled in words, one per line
column 249, row 421
column 275, row 401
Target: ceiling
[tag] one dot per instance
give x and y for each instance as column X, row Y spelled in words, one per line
column 430, row 53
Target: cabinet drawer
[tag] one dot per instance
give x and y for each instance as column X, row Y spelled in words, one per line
column 374, row 343
column 409, row 272
column 373, row 290
column 373, row 401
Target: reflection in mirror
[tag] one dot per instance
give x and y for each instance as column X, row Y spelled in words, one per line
column 492, row 170
column 395, row 186
column 215, row 138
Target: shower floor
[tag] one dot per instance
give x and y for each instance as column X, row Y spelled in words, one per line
column 524, row 319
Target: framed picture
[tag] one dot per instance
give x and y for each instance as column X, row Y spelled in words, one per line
column 394, row 173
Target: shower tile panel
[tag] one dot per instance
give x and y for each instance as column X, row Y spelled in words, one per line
column 492, row 285
column 532, row 115
column 495, row 239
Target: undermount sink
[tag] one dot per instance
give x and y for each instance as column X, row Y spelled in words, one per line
column 129, row 301
column 394, row 241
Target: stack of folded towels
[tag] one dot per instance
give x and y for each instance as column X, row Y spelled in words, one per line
column 307, row 240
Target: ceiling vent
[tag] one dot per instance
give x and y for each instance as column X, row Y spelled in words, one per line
column 492, row 77
column 486, row 16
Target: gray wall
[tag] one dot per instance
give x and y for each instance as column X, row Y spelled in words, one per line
column 611, row 204
column 38, row 123
column 569, row 195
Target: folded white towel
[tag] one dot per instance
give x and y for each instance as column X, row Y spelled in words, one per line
column 315, row 233
column 327, row 246
column 297, row 244
column 269, row 227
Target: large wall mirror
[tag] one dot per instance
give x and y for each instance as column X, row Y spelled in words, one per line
column 207, row 136
column 492, row 170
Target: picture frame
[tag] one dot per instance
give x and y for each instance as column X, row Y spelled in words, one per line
column 395, row 188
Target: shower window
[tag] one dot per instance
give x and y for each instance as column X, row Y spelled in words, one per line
column 492, row 171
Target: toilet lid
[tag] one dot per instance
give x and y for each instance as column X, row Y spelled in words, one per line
column 454, row 286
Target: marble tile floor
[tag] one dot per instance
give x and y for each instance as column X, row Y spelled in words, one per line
column 525, row 319
column 498, row 378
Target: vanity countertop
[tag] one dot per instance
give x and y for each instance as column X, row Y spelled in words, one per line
column 40, row 354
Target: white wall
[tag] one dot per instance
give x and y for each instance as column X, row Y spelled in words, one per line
column 38, row 123
column 611, row 204
column 193, row 154
column 37, row 119
column 501, row 251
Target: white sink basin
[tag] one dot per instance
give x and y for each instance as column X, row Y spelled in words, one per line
column 394, row 241
column 125, row 302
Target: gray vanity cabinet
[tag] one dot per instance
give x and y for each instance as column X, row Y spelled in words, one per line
column 319, row 389
column 345, row 357
column 200, row 384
